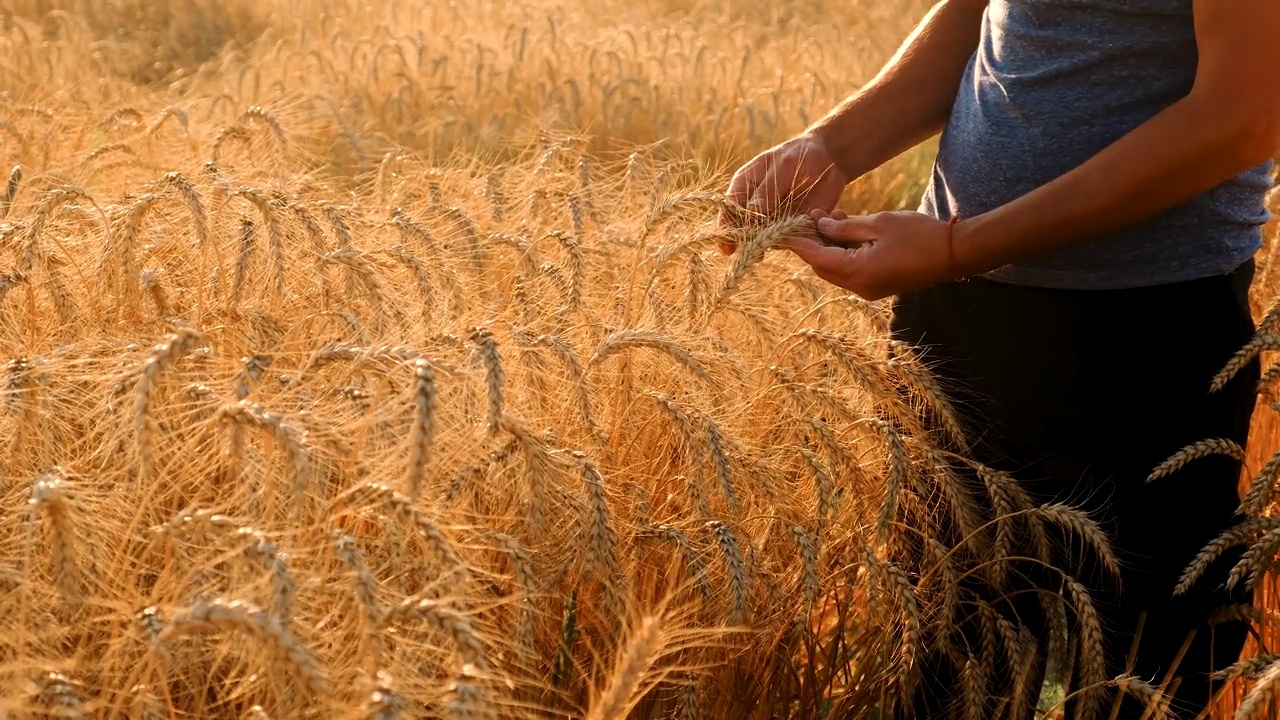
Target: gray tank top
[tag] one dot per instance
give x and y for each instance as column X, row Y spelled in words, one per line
column 1054, row 82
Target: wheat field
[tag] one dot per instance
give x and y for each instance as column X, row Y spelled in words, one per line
column 374, row 360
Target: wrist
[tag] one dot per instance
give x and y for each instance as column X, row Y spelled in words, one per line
column 825, row 138
column 968, row 252
column 953, row 270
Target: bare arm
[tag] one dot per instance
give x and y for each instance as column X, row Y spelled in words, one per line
column 1228, row 123
column 905, row 104
column 910, row 99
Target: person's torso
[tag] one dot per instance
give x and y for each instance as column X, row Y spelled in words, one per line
column 1054, row 82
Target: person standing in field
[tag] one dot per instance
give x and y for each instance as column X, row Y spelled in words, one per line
column 1078, row 268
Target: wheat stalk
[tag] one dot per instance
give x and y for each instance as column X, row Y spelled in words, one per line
column 1195, row 451
column 693, row 562
column 360, row 270
column 57, row 198
column 226, row 135
column 426, row 287
column 1242, row 358
column 275, row 233
column 466, row 698
column 944, row 565
column 260, row 114
column 470, row 233
column 108, row 148
column 497, row 199
column 1089, row 652
column 679, row 202
column 1250, row 667
column 577, row 265
column 61, row 695
column 253, row 545
column 1255, row 561
column 420, row 437
column 857, row 363
column 1264, row 692
column 897, row 582
column 495, row 378
column 191, row 199
column 712, row 437
column 384, row 703
column 162, row 356
column 1258, row 496
column 124, row 240
column 244, row 255
column 440, row 543
column 808, row 549
column 172, row 112
column 1231, row 537
column 627, row 339
column 1011, row 502
column 717, row 444
column 333, row 214
column 602, row 539
column 636, row 659
column 526, row 583
column 923, row 383
column 576, row 216
column 311, row 228
column 739, row 578
column 1082, row 526
column 49, row 496
column 211, row 616
column 826, row 494
column 539, row 466
column 366, row 587
column 291, row 436
column 444, row 618
column 897, row 480
column 10, row 190
column 973, row 690
column 752, row 250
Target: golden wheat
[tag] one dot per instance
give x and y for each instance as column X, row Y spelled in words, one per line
column 324, row 281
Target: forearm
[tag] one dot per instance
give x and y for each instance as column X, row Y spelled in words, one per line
column 910, row 99
column 1191, row 147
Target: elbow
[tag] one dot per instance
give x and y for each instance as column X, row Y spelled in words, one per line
column 1255, row 133
column 1243, row 127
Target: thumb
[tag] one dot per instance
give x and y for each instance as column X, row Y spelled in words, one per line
column 850, row 230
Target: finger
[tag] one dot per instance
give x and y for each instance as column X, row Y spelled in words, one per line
column 851, row 230
column 839, row 214
column 745, row 180
column 826, row 260
column 743, row 186
column 764, row 199
column 744, row 183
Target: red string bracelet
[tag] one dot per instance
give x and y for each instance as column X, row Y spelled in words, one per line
column 951, row 246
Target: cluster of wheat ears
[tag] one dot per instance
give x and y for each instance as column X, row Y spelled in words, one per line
column 489, row 435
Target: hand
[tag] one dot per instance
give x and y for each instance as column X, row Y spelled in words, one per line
column 876, row 256
column 799, row 174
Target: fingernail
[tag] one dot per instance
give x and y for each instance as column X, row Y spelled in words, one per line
column 826, row 223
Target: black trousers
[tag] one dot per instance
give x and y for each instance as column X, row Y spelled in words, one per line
column 1080, row 394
